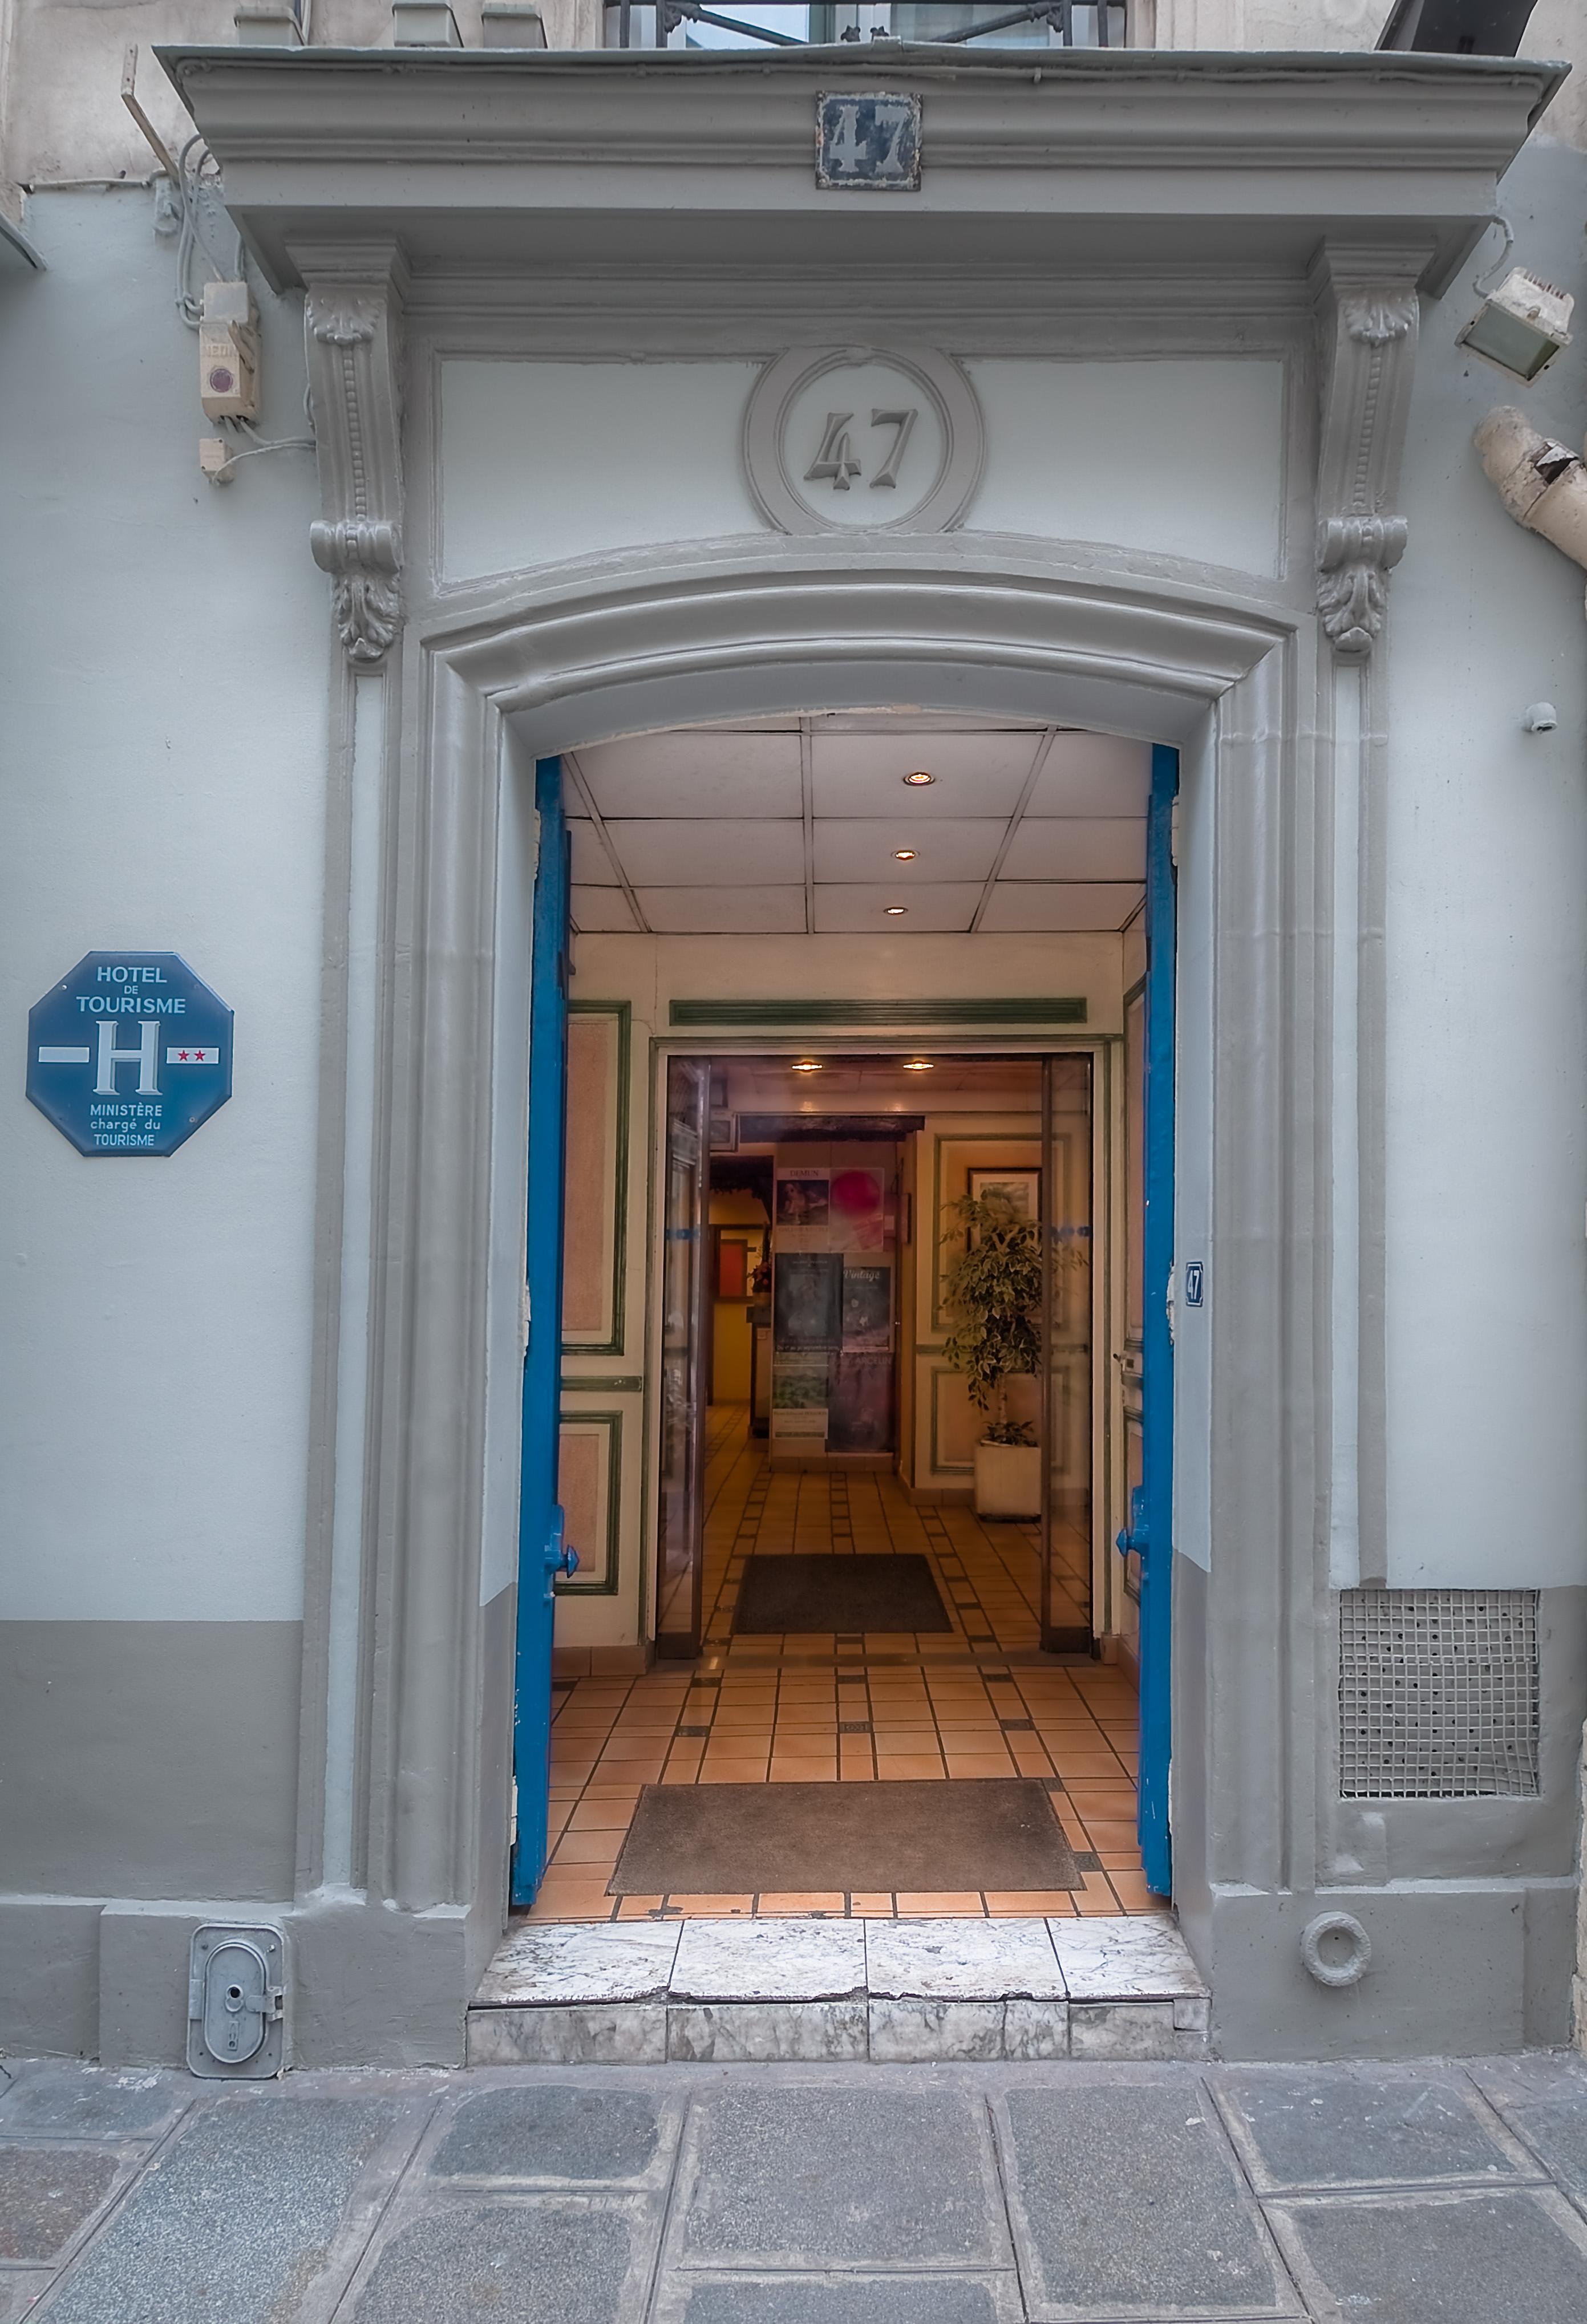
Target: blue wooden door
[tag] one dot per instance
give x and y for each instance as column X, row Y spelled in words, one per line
column 1151, row 1512
column 542, row 1552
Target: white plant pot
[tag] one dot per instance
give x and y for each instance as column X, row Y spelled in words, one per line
column 1007, row 1481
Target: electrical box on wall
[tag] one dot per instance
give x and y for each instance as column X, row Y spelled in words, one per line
column 237, row 2003
column 228, row 352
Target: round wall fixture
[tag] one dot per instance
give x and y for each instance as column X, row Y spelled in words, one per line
column 851, row 439
column 1335, row 1949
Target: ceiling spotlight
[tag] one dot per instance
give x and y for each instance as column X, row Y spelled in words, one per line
column 895, row 911
column 807, row 1065
column 917, row 1065
column 1522, row 326
column 919, row 777
column 903, row 855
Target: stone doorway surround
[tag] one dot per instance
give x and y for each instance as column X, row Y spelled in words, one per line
column 1371, row 178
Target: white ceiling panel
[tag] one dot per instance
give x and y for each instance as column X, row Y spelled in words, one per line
column 1052, row 908
column 592, row 866
column 934, row 909
column 850, row 847
column 1077, row 847
column 1094, row 774
column 977, row 773
column 724, row 911
column 602, row 911
column 695, row 771
column 666, row 854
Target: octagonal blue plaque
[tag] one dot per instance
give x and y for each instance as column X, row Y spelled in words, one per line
column 129, row 1053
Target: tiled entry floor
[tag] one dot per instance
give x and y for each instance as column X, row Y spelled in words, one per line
column 979, row 1701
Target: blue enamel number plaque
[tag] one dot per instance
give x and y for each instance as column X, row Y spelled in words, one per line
column 129, row 1053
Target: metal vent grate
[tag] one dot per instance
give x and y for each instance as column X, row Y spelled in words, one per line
column 1437, row 1693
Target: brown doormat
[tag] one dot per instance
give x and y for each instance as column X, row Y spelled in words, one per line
column 792, row 1591
column 737, row 1839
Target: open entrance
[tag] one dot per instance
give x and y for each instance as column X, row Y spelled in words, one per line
column 884, row 1303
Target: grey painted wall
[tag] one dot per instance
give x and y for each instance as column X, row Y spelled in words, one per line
column 149, row 1758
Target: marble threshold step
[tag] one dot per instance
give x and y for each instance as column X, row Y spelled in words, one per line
column 813, row 1990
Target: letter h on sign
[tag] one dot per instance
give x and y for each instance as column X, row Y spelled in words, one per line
column 145, row 1057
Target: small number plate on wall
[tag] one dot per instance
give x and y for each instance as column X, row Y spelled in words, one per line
column 867, row 144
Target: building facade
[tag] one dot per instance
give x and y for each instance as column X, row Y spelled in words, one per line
column 602, row 364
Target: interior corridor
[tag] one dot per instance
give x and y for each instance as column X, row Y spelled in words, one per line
column 977, row 1702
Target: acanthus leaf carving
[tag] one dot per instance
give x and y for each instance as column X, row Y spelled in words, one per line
column 352, row 332
column 1377, row 319
column 1355, row 556
column 342, row 318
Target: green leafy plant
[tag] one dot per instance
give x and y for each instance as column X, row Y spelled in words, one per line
column 993, row 1290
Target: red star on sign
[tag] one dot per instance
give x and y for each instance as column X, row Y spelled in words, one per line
column 182, row 1054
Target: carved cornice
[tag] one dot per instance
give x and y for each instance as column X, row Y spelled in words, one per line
column 1368, row 317
column 353, row 315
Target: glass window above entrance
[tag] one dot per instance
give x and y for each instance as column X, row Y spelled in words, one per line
column 793, row 24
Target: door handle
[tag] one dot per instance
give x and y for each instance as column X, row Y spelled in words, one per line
column 1135, row 1535
column 560, row 1556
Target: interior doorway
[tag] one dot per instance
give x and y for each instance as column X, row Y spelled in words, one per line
column 862, row 1644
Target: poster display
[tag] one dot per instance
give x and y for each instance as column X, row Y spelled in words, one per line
column 832, row 1384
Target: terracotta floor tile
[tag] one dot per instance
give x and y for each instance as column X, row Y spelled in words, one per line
column 1108, row 1833
column 804, row 1771
column 599, row 1815
column 735, row 1771
column 979, row 1766
column 1132, row 1892
column 909, row 1768
column 591, row 1848
column 685, row 1774
column 774, row 1902
column 638, row 1908
column 959, row 1903
column 709, row 1908
column 871, row 1900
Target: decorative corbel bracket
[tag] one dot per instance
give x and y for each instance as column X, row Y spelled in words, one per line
column 1368, row 317
column 353, row 315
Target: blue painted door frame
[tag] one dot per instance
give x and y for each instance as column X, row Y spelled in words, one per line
column 542, row 1554
column 1151, row 1511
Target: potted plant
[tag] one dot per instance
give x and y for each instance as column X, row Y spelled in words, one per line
column 993, row 1291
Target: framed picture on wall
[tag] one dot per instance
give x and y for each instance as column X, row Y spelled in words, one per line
column 1020, row 1189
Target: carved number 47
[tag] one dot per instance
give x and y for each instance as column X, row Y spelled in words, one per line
column 837, row 461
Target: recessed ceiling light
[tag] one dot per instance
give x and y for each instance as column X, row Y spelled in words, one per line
column 807, row 1065
column 895, row 911
column 903, row 855
column 918, row 1065
column 919, row 777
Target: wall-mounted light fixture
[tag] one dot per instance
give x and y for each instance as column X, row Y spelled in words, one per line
column 903, row 855
column 806, row 1064
column 1522, row 325
column 895, row 911
column 918, row 777
column 918, row 1065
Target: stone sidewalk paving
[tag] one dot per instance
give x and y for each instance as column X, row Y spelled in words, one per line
column 1077, row 2193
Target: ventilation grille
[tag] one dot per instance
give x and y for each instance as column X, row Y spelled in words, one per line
column 1437, row 1693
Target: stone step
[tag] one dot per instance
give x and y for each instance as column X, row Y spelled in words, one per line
column 815, row 1990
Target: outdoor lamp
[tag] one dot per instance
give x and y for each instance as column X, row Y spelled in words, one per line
column 1522, row 326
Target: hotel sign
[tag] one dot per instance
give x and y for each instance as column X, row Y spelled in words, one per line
column 129, row 1053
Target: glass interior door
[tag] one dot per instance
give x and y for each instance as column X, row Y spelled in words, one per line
column 1066, row 1354
column 684, row 1289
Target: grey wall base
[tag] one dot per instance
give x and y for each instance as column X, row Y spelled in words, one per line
column 1456, row 1970
column 368, row 1984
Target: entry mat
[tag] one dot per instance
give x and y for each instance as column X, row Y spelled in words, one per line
column 836, row 1592
column 737, row 1839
